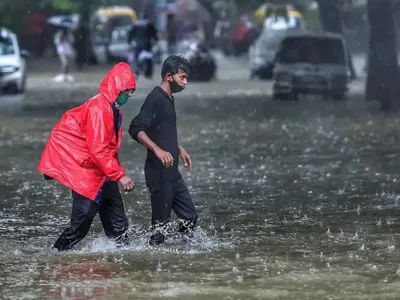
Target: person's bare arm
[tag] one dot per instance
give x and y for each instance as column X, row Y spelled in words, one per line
column 187, row 160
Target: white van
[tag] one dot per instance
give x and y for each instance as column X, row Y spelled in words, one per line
column 13, row 71
column 311, row 64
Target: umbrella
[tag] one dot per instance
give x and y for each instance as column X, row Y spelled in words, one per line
column 68, row 21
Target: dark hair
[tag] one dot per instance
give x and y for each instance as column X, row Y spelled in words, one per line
column 173, row 64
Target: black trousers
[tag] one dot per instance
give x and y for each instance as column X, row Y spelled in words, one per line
column 112, row 215
column 173, row 195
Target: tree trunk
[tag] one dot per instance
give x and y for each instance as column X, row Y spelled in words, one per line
column 331, row 16
column 382, row 56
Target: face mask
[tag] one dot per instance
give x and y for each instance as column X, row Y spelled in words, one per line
column 122, row 99
column 175, row 87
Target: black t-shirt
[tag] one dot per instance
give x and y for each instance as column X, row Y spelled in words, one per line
column 157, row 118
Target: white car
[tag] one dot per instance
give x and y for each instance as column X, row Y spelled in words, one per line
column 12, row 63
column 118, row 48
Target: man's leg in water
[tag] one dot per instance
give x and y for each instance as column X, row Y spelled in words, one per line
column 161, row 204
column 112, row 214
column 83, row 212
column 183, row 206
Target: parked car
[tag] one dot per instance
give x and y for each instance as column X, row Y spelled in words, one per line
column 311, row 64
column 119, row 47
column 13, row 73
column 262, row 53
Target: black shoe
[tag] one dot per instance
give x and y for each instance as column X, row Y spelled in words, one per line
column 122, row 240
column 157, row 239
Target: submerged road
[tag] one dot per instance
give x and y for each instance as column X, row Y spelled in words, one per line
column 296, row 201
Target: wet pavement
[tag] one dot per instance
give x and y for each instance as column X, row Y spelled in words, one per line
column 296, row 201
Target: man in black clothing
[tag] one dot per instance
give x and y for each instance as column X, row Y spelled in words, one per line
column 155, row 128
column 144, row 33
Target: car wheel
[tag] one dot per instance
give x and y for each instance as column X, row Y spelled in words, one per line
column 12, row 88
column 22, row 87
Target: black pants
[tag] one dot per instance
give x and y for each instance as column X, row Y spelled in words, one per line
column 112, row 216
column 172, row 195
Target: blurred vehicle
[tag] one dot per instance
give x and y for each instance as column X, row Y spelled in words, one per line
column 276, row 22
column 262, row 53
column 289, row 18
column 13, row 73
column 107, row 25
column 118, row 15
column 203, row 63
column 311, row 64
column 118, row 46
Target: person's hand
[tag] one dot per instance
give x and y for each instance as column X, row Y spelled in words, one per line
column 186, row 158
column 126, row 183
column 165, row 157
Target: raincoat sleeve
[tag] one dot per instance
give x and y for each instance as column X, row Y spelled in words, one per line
column 143, row 121
column 99, row 134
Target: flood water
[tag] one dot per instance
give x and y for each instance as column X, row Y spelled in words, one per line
column 296, row 201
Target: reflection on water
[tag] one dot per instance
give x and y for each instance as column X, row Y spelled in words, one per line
column 295, row 202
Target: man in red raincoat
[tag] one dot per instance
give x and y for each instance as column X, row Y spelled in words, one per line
column 82, row 154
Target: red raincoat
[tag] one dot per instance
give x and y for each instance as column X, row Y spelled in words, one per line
column 82, row 150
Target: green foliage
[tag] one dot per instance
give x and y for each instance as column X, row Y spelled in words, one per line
column 67, row 5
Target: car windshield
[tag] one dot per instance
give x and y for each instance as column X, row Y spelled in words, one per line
column 6, row 46
column 314, row 50
column 120, row 21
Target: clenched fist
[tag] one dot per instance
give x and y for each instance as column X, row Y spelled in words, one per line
column 126, row 183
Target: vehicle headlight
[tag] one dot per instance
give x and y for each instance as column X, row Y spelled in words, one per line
column 9, row 69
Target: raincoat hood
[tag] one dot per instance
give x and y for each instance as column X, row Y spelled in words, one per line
column 120, row 78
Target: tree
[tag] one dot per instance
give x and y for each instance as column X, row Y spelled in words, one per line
column 68, row 5
column 331, row 16
column 382, row 56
